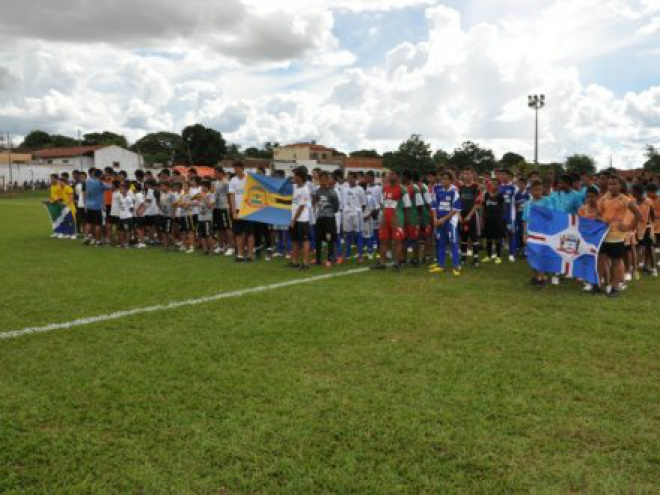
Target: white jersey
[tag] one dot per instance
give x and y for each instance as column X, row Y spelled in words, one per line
column 194, row 191
column 376, row 192
column 81, row 195
column 301, row 197
column 115, row 206
column 237, row 188
column 152, row 208
column 126, row 205
column 354, row 199
column 138, row 202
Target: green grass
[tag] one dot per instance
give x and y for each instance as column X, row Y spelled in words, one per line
column 374, row 383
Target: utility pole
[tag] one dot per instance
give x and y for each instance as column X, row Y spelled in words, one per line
column 536, row 103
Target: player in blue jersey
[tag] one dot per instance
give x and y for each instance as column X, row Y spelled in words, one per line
column 508, row 190
column 446, row 208
column 522, row 198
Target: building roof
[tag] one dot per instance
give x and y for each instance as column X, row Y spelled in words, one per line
column 202, row 170
column 67, row 152
column 363, row 162
column 311, row 146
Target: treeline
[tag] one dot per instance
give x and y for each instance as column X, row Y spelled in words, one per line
column 201, row 145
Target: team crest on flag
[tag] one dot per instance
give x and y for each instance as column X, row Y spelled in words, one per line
column 266, row 200
column 561, row 243
column 61, row 219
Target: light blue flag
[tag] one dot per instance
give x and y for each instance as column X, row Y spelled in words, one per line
column 561, row 243
column 266, row 200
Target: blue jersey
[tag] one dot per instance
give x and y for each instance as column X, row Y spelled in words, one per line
column 522, row 197
column 509, row 192
column 568, row 202
column 445, row 201
column 545, row 202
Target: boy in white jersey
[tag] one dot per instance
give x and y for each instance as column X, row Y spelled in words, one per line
column 205, row 202
column 152, row 210
column 354, row 202
column 139, row 212
column 369, row 219
column 301, row 205
column 167, row 214
column 126, row 205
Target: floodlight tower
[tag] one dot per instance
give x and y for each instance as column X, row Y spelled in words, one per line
column 536, row 103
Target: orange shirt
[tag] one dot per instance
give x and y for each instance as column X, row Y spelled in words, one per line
column 107, row 194
column 656, row 215
column 587, row 212
column 613, row 212
column 645, row 209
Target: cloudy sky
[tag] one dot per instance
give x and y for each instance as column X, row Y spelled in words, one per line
column 348, row 73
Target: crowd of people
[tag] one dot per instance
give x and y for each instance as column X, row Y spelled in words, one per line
column 408, row 220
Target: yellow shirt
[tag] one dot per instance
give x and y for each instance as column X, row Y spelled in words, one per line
column 67, row 198
column 55, row 193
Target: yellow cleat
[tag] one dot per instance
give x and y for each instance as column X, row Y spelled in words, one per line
column 487, row 259
column 456, row 272
column 437, row 270
column 498, row 261
column 434, row 265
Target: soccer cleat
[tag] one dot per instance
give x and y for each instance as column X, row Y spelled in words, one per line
column 74, row 236
column 189, row 251
column 218, row 250
column 614, row 293
column 588, row 288
column 628, row 277
column 555, row 280
column 654, row 273
column 437, row 269
column 433, row 265
column 328, row 264
column 456, row 272
column 230, row 252
column 498, row 261
column 487, row 259
column 636, row 275
column 512, row 259
column 340, row 260
column 377, row 266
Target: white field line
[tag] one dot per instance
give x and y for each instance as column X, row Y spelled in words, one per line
column 173, row 305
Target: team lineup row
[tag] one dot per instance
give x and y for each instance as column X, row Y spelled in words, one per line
column 406, row 219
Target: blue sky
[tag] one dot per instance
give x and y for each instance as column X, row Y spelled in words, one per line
column 348, row 73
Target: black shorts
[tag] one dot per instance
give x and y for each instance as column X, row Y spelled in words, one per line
column 186, row 224
column 151, row 220
column 165, row 225
column 495, row 228
column 138, row 222
column 126, row 224
column 469, row 231
column 195, row 220
column 242, row 227
column 613, row 250
column 204, row 230
column 325, row 229
column 94, row 217
column 221, row 219
column 646, row 240
column 300, row 232
column 108, row 209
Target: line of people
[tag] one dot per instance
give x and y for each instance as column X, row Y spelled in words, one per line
column 409, row 219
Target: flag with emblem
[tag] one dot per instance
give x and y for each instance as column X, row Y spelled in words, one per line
column 266, row 200
column 564, row 244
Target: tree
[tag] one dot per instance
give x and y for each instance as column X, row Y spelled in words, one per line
column 471, row 155
column 161, row 147
column 60, row 141
column 652, row 163
column 512, row 160
column 207, row 146
column 580, row 164
column 441, row 158
column 234, row 151
column 36, row 140
column 106, row 138
column 552, row 170
column 364, row 154
column 265, row 153
column 413, row 154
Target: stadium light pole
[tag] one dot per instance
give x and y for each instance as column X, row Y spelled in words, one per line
column 536, row 103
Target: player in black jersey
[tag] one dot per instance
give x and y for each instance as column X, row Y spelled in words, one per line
column 469, row 219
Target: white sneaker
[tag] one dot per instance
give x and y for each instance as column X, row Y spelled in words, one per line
column 73, row 237
column 512, row 259
column 654, row 273
column 54, row 235
column 141, row 245
column 555, row 280
column 229, row 252
column 277, row 255
column 190, row 251
column 218, row 250
column 588, row 288
column 627, row 277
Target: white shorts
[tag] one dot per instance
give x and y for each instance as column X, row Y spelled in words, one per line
column 352, row 221
column 368, row 227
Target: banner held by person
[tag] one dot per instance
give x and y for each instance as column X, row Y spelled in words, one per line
column 266, row 200
column 565, row 244
column 61, row 218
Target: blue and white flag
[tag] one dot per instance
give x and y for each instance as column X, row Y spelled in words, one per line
column 61, row 219
column 561, row 243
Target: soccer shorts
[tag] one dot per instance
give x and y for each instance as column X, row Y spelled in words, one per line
column 326, row 229
column 94, row 217
column 221, row 219
column 186, row 224
column 412, row 232
column 352, row 222
column 204, row 230
column 368, row 228
column 613, row 250
column 469, row 230
column 125, row 224
column 165, row 225
column 300, row 232
column 389, row 233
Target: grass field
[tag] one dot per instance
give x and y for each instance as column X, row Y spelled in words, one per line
column 372, row 383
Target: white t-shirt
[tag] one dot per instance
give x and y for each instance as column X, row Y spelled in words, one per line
column 152, row 208
column 81, row 195
column 301, row 197
column 126, row 205
column 138, row 201
column 377, row 193
column 178, row 211
column 237, row 188
column 115, row 205
column 354, row 199
column 194, row 191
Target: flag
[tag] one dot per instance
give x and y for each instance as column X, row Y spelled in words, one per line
column 61, row 218
column 558, row 242
column 266, row 200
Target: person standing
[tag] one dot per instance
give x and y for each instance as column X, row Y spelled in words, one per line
column 243, row 229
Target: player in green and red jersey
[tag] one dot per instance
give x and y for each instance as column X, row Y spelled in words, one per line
column 395, row 202
column 411, row 217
